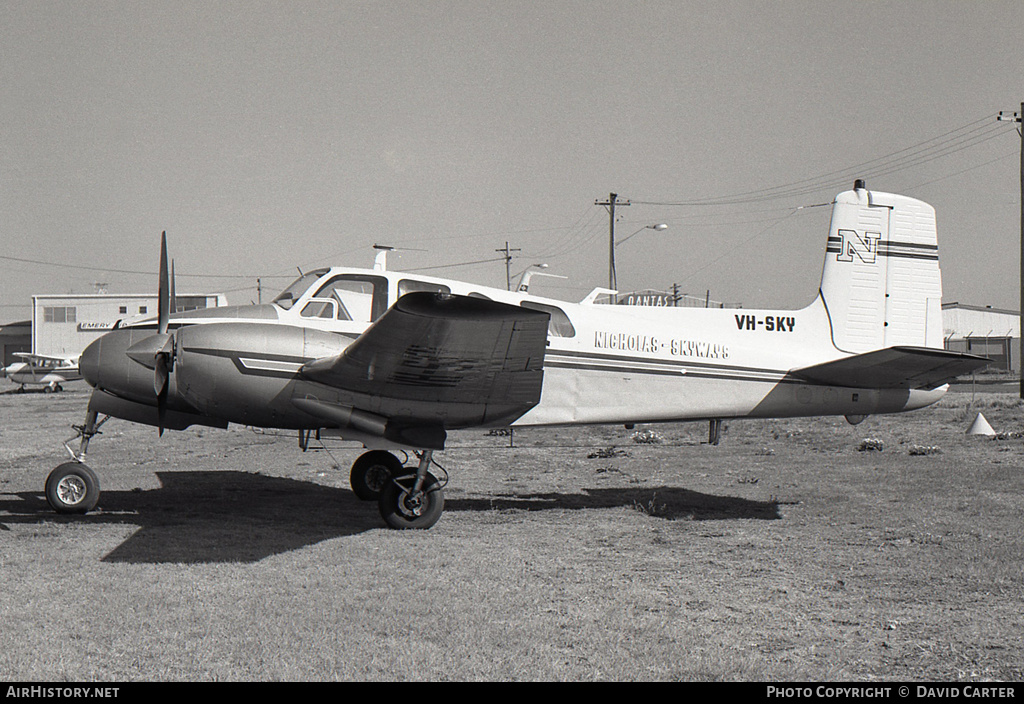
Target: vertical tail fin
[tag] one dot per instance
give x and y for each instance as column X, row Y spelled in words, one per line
column 881, row 283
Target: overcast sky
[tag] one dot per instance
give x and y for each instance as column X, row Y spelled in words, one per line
column 266, row 136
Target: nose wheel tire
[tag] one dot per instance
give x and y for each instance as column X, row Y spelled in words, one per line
column 402, row 508
column 72, row 488
column 372, row 471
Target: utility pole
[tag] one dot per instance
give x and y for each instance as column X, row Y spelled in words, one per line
column 1016, row 117
column 508, row 264
column 610, row 205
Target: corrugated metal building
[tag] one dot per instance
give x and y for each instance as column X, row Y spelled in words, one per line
column 983, row 330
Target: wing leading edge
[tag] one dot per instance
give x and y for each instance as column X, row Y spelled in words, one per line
column 435, row 360
column 893, row 368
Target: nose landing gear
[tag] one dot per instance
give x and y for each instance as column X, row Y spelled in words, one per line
column 73, row 487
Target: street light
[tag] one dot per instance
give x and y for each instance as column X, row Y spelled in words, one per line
column 612, row 282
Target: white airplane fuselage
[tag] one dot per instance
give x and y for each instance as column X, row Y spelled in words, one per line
column 637, row 364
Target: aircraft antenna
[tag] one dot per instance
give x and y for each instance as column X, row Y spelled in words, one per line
column 380, row 262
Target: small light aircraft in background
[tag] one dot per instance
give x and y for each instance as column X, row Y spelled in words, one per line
column 395, row 360
column 47, row 371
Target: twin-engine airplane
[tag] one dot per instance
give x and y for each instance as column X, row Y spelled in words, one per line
column 395, row 361
column 47, row 371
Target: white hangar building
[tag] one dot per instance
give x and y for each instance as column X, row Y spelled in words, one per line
column 985, row 331
column 65, row 325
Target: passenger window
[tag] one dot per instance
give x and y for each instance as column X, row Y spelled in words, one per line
column 559, row 325
column 358, row 297
column 409, row 286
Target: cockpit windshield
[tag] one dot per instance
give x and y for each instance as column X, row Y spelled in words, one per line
column 291, row 294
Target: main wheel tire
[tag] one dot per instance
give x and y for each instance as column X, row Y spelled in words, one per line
column 371, row 472
column 72, row 488
column 401, row 510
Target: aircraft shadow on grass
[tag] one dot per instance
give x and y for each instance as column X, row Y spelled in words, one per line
column 230, row 516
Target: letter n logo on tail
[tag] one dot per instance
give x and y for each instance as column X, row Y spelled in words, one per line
column 866, row 247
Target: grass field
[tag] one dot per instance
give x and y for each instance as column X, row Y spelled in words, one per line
column 791, row 551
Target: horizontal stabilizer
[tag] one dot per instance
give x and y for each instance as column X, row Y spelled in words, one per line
column 893, row 368
column 485, row 358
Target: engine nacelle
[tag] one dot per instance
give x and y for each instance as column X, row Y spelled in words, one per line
column 106, row 365
column 225, row 372
column 248, row 372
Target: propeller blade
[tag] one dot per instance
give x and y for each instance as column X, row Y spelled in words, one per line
column 160, row 386
column 163, row 292
column 160, row 376
column 173, row 298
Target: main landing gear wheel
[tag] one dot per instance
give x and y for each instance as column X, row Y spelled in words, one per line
column 372, row 471
column 72, row 488
column 403, row 507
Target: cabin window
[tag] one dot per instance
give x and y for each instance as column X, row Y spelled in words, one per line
column 359, row 297
column 286, row 299
column 318, row 308
column 559, row 325
column 410, row 286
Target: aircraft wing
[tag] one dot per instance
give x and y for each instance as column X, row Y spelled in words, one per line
column 893, row 368
column 441, row 361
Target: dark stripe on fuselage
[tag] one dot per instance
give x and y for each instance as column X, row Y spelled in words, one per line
column 586, row 361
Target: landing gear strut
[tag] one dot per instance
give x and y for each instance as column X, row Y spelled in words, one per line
column 412, row 500
column 72, row 487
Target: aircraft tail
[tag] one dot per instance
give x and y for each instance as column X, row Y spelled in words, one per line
column 881, row 283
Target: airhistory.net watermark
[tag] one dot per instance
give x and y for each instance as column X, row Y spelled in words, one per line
column 47, row 692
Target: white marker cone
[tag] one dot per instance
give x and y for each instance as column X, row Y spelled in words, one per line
column 980, row 426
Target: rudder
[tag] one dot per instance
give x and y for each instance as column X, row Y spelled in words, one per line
column 881, row 283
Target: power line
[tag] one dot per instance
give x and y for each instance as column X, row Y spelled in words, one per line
column 574, row 233
column 963, row 137
column 109, row 270
column 449, row 266
column 753, row 237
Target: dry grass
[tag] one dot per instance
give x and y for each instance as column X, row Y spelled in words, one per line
column 785, row 553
